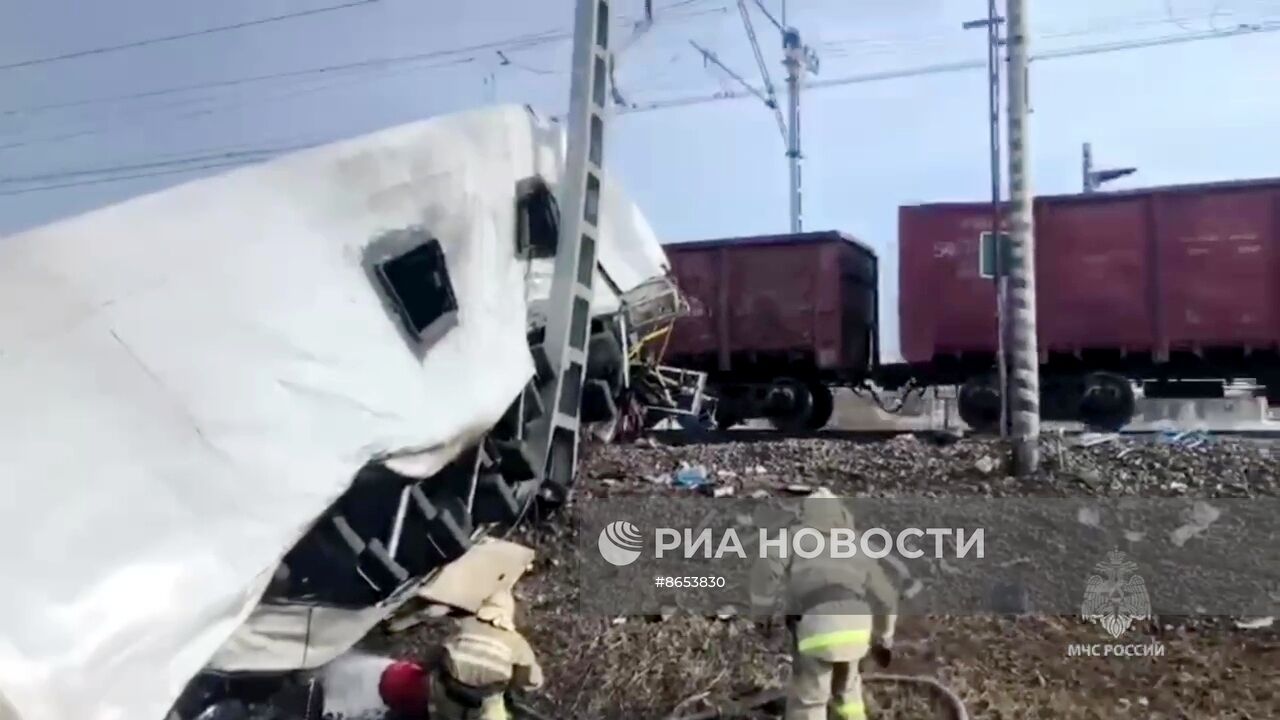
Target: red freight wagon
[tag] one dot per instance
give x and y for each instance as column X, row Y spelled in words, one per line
column 1156, row 285
column 775, row 320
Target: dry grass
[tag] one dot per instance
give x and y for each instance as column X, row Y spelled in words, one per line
column 1003, row 668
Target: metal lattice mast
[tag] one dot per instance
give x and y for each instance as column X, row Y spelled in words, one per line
column 554, row 437
column 797, row 58
column 992, row 25
column 794, row 57
column 1025, row 358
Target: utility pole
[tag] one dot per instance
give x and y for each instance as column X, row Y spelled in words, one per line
column 797, row 59
column 1025, row 356
column 992, row 24
column 554, row 435
column 1091, row 178
column 792, row 48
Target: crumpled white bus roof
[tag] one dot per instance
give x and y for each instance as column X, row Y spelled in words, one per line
column 191, row 377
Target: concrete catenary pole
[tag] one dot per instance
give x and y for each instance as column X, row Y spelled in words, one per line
column 1024, row 353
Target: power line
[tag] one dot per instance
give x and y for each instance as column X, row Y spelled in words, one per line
column 1101, row 25
column 521, row 42
column 966, row 65
column 514, row 44
column 121, row 178
column 183, row 36
column 218, row 105
column 243, row 157
column 154, row 164
column 525, row 41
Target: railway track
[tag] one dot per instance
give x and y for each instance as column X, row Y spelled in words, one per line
column 713, row 437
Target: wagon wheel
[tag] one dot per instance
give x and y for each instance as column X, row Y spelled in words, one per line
column 980, row 404
column 799, row 410
column 1108, row 402
column 824, row 404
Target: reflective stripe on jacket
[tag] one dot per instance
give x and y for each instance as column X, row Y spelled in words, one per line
column 834, row 638
column 851, row 594
column 489, row 658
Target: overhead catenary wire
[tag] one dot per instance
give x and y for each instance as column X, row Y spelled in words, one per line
column 893, row 74
column 771, row 96
column 524, row 41
column 218, row 105
column 184, row 36
column 152, row 165
column 1093, row 26
column 858, row 49
column 519, row 42
column 966, row 65
column 711, row 57
column 121, row 178
column 768, row 15
column 516, row 44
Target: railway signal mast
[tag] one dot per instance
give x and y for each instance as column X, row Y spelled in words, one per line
column 992, row 25
column 798, row 59
column 1091, row 178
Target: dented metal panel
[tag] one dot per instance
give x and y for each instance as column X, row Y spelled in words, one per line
column 489, row 566
column 200, row 373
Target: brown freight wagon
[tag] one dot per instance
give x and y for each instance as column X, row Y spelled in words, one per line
column 1174, row 287
column 775, row 321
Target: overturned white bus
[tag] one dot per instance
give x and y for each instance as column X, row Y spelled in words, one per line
column 247, row 416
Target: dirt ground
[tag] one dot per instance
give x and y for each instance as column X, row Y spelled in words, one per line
column 1002, row 667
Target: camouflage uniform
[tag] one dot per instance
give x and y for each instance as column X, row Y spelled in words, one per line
column 484, row 658
column 831, row 622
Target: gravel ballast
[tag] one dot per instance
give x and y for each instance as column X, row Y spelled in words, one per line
column 1001, row 666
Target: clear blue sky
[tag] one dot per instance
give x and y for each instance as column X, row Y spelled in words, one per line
column 1181, row 113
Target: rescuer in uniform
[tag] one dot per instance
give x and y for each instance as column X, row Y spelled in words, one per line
column 483, row 659
column 838, row 610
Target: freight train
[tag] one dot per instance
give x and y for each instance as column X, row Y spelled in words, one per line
column 1172, row 290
